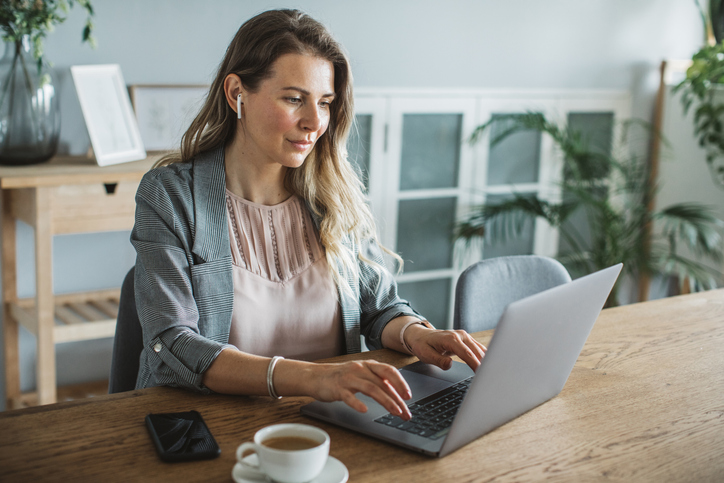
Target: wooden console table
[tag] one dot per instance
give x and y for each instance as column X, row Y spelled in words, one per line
column 65, row 195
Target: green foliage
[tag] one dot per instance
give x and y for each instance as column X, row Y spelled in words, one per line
column 36, row 18
column 702, row 81
column 614, row 195
column 700, row 85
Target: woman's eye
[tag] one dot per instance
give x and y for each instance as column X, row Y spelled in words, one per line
column 294, row 100
column 325, row 104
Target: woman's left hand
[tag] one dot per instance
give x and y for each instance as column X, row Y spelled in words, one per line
column 437, row 346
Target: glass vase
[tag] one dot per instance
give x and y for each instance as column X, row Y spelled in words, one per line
column 29, row 117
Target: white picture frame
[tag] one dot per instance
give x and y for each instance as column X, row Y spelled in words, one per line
column 164, row 112
column 106, row 107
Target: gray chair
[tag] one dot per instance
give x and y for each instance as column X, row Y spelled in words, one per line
column 485, row 288
column 128, row 341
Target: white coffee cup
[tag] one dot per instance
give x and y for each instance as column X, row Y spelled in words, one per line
column 287, row 465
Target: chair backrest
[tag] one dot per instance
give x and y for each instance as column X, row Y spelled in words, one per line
column 128, row 341
column 485, row 288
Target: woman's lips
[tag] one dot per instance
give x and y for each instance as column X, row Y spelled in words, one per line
column 302, row 145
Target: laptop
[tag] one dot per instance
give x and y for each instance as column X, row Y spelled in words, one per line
column 535, row 345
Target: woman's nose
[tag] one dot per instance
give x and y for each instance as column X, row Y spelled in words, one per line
column 313, row 119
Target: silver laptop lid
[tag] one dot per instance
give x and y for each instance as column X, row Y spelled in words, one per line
column 531, row 355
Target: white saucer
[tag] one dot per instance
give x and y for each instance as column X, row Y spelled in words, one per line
column 334, row 472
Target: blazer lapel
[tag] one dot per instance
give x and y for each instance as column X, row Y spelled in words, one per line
column 211, row 240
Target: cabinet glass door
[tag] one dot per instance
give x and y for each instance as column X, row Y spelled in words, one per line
column 596, row 129
column 519, row 165
column 359, row 146
column 513, row 169
column 366, row 150
column 433, row 161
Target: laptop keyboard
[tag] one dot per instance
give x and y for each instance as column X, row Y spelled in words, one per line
column 431, row 416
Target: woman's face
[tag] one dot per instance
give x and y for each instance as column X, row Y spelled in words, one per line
column 289, row 111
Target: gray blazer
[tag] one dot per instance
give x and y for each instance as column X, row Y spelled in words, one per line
column 183, row 280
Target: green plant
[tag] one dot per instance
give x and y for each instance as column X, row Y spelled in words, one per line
column 701, row 84
column 614, row 195
column 35, row 18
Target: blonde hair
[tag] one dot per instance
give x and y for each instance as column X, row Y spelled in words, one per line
column 326, row 181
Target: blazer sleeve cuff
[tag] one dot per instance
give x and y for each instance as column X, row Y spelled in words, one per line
column 187, row 355
column 373, row 339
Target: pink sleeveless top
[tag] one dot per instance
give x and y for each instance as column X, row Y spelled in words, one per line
column 285, row 300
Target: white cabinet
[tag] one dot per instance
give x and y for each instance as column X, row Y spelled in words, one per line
column 423, row 175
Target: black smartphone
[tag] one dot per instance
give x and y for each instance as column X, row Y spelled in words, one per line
column 182, row 436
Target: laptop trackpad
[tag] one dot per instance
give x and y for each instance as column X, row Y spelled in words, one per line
column 423, row 379
column 457, row 372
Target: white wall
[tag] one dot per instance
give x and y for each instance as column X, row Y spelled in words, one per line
column 601, row 44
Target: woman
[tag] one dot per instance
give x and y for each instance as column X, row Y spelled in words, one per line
column 255, row 240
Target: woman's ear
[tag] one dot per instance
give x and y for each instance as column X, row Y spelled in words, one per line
column 234, row 91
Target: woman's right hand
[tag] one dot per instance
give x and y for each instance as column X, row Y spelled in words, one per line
column 340, row 382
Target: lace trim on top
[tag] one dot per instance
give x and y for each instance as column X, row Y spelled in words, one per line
column 235, row 230
column 306, row 241
column 275, row 242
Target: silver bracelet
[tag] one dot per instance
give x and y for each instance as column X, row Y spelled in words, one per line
column 270, row 375
column 405, row 327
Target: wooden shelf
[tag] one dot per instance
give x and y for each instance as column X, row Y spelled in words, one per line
column 82, row 316
column 64, row 195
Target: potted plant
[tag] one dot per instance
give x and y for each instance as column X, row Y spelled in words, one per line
column 703, row 84
column 29, row 117
column 614, row 194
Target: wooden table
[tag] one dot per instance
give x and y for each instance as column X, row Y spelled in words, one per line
column 645, row 402
column 65, row 195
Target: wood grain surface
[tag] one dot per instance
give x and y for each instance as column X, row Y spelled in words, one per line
column 645, row 402
column 73, row 170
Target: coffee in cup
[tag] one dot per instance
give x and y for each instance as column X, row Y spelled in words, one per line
column 288, row 453
column 290, row 443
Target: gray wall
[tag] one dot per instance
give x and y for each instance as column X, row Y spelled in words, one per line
column 557, row 44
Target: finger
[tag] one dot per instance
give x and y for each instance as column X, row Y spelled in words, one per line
column 361, row 377
column 431, row 355
column 476, row 347
column 393, row 377
column 365, row 380
column 455, row 343
column 350, row 400
column 485, row 349
column 385, row 396
column 469, row 357
column 389, row 391
column 481, row 346
column 404, row 410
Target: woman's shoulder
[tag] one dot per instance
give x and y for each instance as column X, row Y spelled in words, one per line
column 175, row 185
column 178, row 171
column 171, row 184
column 206, row 163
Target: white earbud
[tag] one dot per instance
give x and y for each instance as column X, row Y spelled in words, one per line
column 238, row 106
